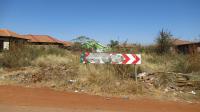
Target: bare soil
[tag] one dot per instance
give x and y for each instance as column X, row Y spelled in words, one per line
column 20, row 99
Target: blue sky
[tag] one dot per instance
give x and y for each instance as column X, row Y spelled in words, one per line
column 133, row 20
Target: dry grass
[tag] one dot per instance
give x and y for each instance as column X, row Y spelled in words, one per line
column 187, row 63
column 51, row 60
column 171, row 62
column 22, row 56
column 56, row 70
column 105, row 79
column 156, row 63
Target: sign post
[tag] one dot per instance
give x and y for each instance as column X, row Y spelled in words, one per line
column 135, row 73
column 112, row 58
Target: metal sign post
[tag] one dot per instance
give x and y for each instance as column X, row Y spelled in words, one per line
column 135, row 72
column 112, row 58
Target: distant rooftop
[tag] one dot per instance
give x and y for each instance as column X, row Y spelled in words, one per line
column 41, row 38
column 66, row 43
column 180, row 42
column 8, row 34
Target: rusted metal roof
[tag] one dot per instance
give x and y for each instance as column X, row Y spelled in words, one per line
column 42, row 39
column 67, row 44
column 8, row 34
column 180, row 42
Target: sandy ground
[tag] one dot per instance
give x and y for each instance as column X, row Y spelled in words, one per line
column 19, row 99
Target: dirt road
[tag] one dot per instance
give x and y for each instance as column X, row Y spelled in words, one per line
column 19, row 99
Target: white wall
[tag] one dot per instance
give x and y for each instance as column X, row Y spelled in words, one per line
column 6, row 45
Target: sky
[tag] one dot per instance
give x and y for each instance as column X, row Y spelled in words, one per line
column 137, row 21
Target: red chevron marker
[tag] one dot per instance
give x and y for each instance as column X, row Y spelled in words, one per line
column 126, row 58
column 131, row 59
column 136, row 59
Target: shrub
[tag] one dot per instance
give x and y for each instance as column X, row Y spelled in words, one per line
column 21, row 56
column 149, row 49
column 106, row 81
column 157, row 63
column 123, row 71
column 187, row 64
column 59, row 73
column 51, row 60
column 164, row 80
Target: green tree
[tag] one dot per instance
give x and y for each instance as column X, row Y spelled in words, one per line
column 114, row 43
column 82, row 39
column 164, row 42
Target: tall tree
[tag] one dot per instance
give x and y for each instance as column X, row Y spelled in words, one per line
column 164, row 42
column 113, row 43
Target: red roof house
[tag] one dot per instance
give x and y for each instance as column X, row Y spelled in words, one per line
column 9, row 38
column 42, row 39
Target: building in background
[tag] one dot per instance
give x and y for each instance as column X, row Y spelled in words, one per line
column 67, row 45
column 43, row 41
column 9, row 39
column 185, row 47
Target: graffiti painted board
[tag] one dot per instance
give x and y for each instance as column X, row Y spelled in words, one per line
column 110, row 58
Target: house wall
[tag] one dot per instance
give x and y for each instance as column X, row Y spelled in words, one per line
column 45, row 44
column 188, row 48
column 9, row 42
